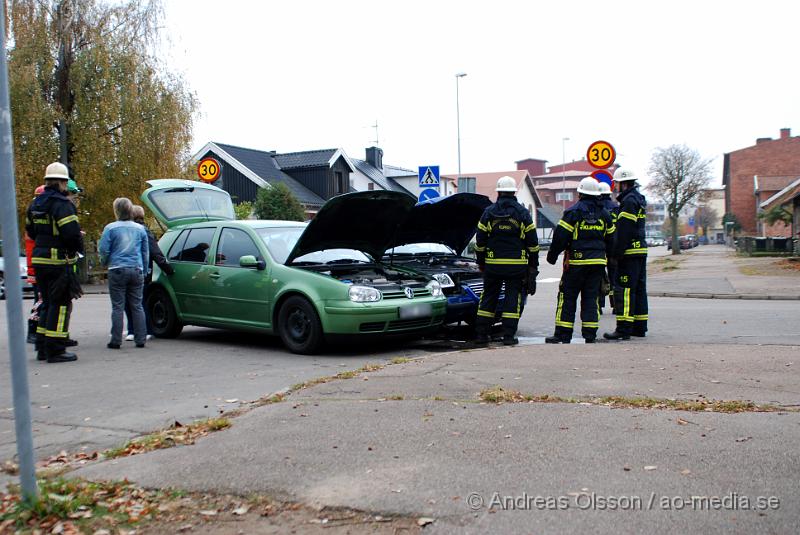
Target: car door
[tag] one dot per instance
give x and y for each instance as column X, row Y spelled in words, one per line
column 189, row 256
column 238, row 295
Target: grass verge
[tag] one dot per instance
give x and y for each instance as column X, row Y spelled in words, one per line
column 498, row 394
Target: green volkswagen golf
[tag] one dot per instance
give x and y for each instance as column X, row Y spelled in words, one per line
column 306, row 282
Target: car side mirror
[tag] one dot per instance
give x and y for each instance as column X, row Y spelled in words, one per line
column 250, row 261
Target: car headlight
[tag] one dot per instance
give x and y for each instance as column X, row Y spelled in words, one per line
column 364, row 294
column 444, row 279
column 435, row 288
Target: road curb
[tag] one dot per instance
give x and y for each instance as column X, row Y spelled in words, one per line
column 751, row 297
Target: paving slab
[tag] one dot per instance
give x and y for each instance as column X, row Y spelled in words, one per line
column 413, row 439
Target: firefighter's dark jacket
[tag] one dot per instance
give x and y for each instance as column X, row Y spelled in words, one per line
column 52, row 222
column 630, row 238
column 506, row 238
column 586, row 231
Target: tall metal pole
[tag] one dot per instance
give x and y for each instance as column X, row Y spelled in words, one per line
column 16, row 334
column 458, row 127
column 563, row 174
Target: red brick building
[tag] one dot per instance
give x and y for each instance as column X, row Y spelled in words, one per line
column 754, row 174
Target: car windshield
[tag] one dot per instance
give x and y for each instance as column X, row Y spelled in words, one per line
column 421, row 249
column 188, row 202
column 281, row 241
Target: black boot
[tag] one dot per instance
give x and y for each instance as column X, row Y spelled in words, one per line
column 64, row 356
column 31, row 339
column 510, row 340
column 556, row 339
column 616, row 335
column 69, row 342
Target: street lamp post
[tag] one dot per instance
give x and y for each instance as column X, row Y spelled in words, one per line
column 563, row 174
column 458, row 128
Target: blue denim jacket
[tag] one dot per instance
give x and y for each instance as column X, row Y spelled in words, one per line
column 124, row 244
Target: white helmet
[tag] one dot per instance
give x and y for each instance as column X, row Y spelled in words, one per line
column 589, row 186
column 623, row 175
column 506, row 183
column 605, row 189
column 56, row 170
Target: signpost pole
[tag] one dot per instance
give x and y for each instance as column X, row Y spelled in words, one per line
column 16, row 334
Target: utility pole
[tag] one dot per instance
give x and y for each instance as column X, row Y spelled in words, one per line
column 15, row 329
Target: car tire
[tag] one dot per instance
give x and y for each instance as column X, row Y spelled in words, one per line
column 299, row 326
column 163, row 316
column 2, row 286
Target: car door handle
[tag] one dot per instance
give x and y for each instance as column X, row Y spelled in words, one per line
column 214, row 275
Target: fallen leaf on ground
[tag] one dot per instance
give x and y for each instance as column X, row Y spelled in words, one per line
column 241, row 510
column 424, row 521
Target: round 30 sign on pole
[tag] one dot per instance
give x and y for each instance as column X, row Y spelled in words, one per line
column 601, row 154
column 208, row 169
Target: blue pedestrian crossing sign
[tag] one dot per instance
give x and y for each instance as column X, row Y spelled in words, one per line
column 428, row 194
column 429, row 176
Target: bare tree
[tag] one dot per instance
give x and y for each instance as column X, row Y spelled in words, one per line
column 679, row 174
column 704, row 217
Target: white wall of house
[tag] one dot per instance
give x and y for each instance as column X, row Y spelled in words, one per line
column 360, row 182
column 411, row 183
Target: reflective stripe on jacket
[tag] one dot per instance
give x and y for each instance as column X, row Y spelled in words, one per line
column 586, row 231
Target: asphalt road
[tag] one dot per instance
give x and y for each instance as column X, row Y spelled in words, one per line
column 109, row 396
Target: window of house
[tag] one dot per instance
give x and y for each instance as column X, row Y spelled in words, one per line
column 563, row 196
column 339, row 185
column 466, row 184
column 234, row 244
column 371, row 186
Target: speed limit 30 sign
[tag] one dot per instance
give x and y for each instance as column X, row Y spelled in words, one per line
column 601, row 154
column 208, row 169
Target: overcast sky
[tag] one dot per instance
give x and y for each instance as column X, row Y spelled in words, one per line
column 298, row 75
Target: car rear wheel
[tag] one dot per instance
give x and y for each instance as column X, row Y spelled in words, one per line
column 163, row 317
column 299, row 326
column 2, row 286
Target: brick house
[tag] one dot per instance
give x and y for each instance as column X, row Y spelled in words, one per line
column 754, row 174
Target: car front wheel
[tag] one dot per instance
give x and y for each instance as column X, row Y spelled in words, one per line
column 163, row 317
column 299, row 326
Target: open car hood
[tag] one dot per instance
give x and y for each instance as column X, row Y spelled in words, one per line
column 451, row 220
column 176, row 202
column 365, row 220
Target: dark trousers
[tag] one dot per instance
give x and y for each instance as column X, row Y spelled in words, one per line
column 512, row 303
column 54, row 312
column 129, row 312
column 583, row 280
column 125, row 286
column 630, row 294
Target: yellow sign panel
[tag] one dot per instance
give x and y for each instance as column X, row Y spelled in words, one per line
column 601, row 154
column 208, row 170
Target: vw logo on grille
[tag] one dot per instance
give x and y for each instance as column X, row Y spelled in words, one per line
column 409, row 293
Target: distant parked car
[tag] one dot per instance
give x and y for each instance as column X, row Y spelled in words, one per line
column 23, row 271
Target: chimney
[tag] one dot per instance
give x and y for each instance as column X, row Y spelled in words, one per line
column 375, row 157
column 785, row 133
column 533, row 166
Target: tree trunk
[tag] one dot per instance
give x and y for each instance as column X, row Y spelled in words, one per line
column 676, row 244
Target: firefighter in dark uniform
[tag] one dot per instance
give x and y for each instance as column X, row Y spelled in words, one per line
column 630, row 251
column 52, row 222
column 611, row 207
column 585, row 234
column 507, row 251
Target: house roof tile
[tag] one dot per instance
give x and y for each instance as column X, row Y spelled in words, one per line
column 263, row 164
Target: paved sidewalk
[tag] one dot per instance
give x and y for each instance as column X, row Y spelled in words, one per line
column 413, row 439
column 715, row 272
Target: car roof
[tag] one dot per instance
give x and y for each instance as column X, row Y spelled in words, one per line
column 252, row 223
